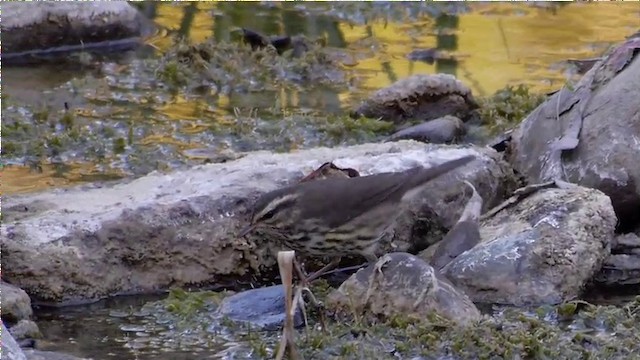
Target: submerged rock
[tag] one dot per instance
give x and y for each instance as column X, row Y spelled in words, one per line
column 590, row 135
column 49, row 355
column 444, row 130
column 180, row 229
column 261, row 308
column 25, row 329
column 16, row 304
column 45, row 28
column 542, row 250
column 402, row 284
column 420, row 97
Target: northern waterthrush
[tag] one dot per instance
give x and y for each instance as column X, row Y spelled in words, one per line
column 340, row 216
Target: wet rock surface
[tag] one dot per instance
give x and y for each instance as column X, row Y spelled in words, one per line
column 31, row 27
column 48, row 355
column 421, row 98
column 444, row 130
column 542, row 250
column 261, row 308
column 25, row 329
column 622, row 267
column 10, row 348
column 180, row 229
column 590, row 135
column 403, row 284
column 464, row 235
column 16, row 304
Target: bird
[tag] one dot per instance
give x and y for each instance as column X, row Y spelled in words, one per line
column 340, row 216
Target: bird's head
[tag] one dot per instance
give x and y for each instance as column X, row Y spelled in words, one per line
column 274, row 209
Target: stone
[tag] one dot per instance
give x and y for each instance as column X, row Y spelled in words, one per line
column 622, row 267
column 180, row 229
column 25, row 329
column 32, row 28
column 403, row 284
column 10, row 348
column 543, row 250
column 445, row 130
column 261, row 308
column 32, row 354
column 421, row 98
column 590, row 135
column 464, row 235
column 16, row 304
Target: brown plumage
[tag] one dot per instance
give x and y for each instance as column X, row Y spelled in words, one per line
column 340, row 216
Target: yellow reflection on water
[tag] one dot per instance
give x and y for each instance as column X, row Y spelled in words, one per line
column 24, row 179
column 501, row 44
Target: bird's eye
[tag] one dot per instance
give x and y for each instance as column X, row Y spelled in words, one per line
column 268, row 215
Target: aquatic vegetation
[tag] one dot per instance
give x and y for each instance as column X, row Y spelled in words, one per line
column 508, row 107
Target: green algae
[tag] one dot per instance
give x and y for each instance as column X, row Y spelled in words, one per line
column 508, row 107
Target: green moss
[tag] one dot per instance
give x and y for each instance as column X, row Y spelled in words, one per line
column 119, row 145
column 9, row 148
column 41, row 116
column 67, row 120
column 508, row 107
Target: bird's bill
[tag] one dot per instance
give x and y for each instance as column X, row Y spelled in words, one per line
column 244, row 232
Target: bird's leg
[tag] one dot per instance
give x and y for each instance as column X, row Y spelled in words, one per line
column 299, row 271
column 334, row 262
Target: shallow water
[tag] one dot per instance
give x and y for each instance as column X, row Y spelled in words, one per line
column 134, row 128
column 488, row 45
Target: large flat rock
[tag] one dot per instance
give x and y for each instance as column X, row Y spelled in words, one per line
column 160, row 230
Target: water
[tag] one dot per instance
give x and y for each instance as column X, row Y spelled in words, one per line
column 135, row 126
column 124, row 123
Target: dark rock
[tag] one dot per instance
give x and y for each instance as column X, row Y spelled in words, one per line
column 464, row 235
column 40, row 29
column 445, row 130
column 402, row 284
column 426, row 55
column 25, row 329
column 542, row 250
column 622, row 267
column 420, row 97
column 590, row 135
column 501, row 142
column 16, row 304
column 261, row 308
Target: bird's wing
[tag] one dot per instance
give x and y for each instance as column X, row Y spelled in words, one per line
column 339, row 200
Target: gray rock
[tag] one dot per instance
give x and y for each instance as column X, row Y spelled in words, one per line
column 10, row 348
column 29, row 27
column 16, row 304
column 32, row 354
column 261, row 308
column 590, row 135
column 622, row 267
column 629, row 242
column 25, row 329
column 420, row 97
column 464, row 235
column 403, row 284
column 181, row 229
column 542, row 250
column 445, row 130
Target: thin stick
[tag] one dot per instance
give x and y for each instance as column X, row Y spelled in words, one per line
column 285, row 265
